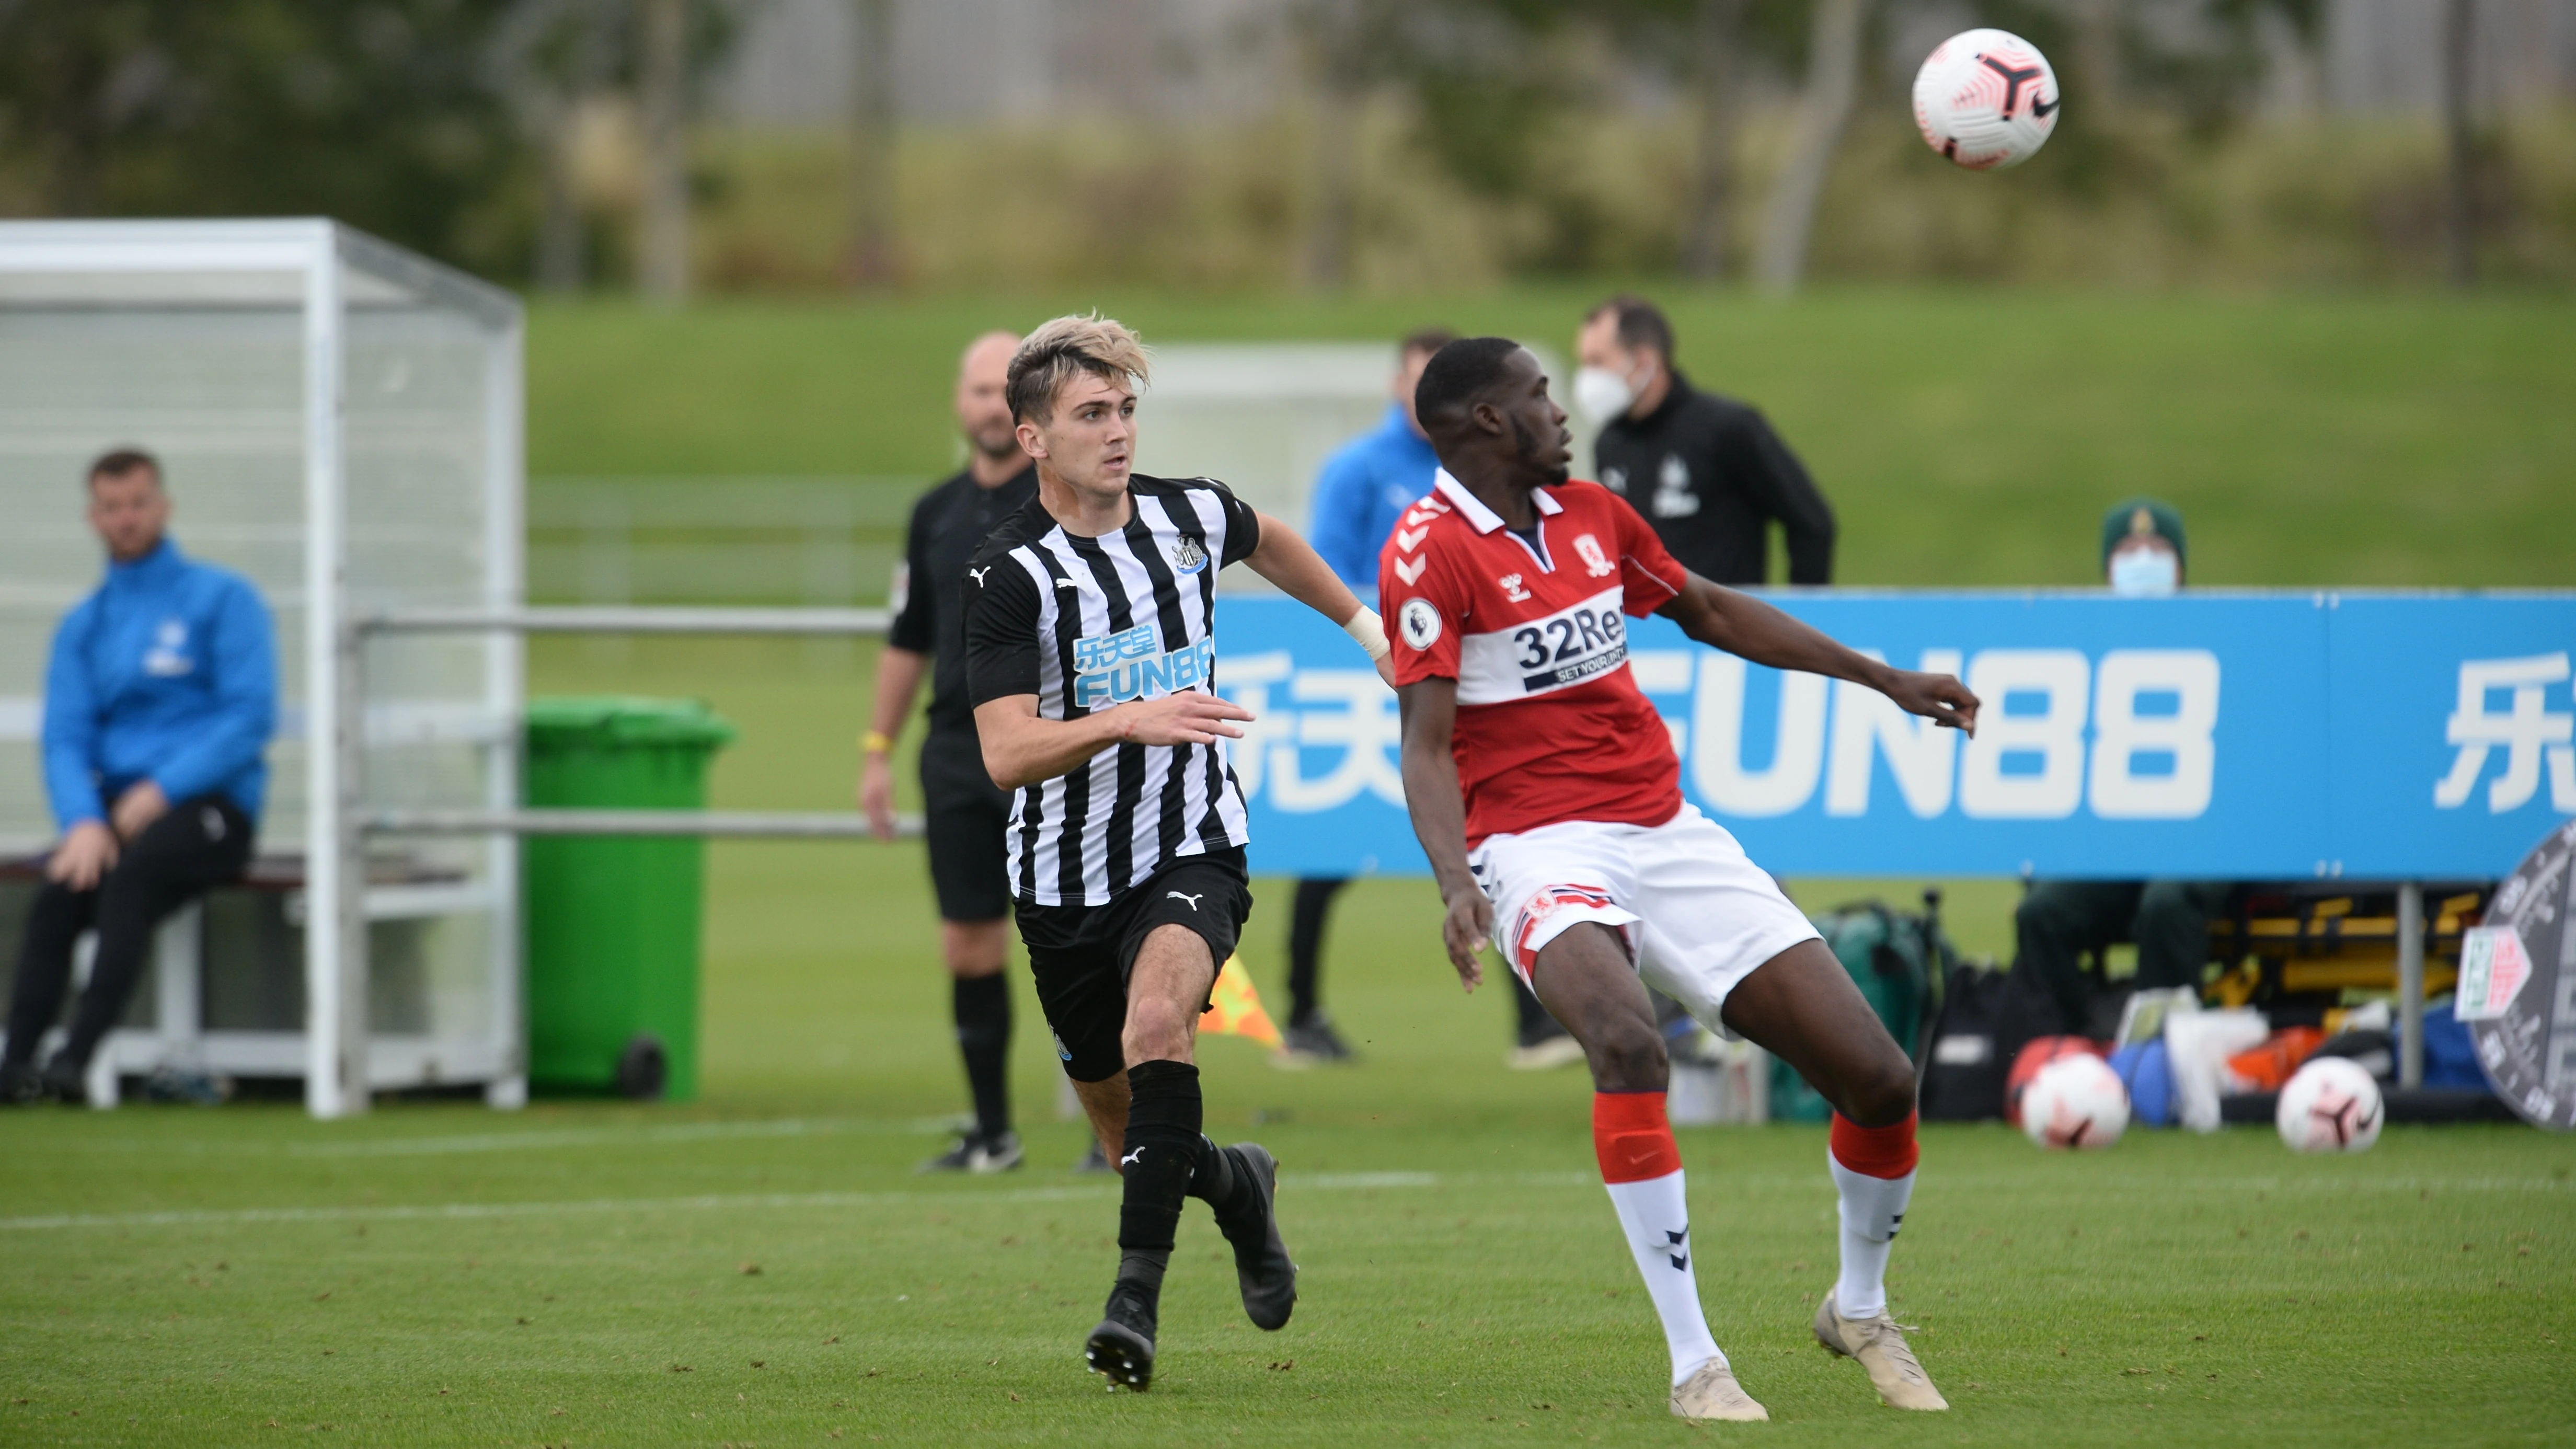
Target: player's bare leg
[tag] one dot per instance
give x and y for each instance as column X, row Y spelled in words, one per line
column 1801, row 1006
column 1105, row 1103
column 1161, row 1152
column 1585, row 980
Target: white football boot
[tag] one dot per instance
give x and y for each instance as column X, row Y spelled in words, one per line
column 1879, row 1344
column 1713, row 1393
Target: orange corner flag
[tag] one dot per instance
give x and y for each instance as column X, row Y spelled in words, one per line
column 1235, row 1008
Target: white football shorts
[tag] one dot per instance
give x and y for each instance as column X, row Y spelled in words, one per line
column 1697, row 914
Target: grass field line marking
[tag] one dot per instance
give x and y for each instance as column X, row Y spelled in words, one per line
column 453, row 1211
column 717, row 1202
column 639, row 1134
column 611, row 1136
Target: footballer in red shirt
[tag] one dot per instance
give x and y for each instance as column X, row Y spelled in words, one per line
column 1545, row 790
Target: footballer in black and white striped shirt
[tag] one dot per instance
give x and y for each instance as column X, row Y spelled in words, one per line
column 1091, row 658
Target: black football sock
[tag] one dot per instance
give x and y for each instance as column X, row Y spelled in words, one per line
column 983, row 1007
column 1163, row 1153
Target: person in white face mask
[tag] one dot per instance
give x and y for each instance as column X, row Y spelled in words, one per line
column 1708, row 472
column 2059, row 922
column 2142, row 549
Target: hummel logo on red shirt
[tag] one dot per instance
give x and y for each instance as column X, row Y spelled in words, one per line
column 1512, row 589
column 1410, row 569
column 1411, row 539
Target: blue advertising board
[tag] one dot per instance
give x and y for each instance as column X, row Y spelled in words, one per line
column 2222, row 735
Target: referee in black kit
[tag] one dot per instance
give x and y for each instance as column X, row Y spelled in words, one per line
column 964, row 814
column 1091, row 659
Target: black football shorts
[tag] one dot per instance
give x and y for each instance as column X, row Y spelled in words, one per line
column 1080, row 956
column 965, row 819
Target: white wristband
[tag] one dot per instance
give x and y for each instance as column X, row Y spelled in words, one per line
column 1370, row 631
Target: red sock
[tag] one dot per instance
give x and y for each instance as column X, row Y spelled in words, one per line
column 1875, row 1151
column 1632, row 1138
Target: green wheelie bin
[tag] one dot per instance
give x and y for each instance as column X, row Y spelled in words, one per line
column 612, row 921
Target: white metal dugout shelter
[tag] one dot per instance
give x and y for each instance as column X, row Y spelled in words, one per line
column 339, row 421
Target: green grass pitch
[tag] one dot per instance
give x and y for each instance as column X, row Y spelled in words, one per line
column 581, row 1273
column 577, row 1273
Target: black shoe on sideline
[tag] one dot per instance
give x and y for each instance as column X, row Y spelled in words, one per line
column 977, row 1154
column 1122, row 1347
column 65, row 1082
column 20, row 1085
column 959, row 1158
column 1262, row 1267
column 1315, row 1042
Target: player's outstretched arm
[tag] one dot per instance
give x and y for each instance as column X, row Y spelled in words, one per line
column 1431, row 796
column 1291, row 562
column 1022, row 748
column 1743, row 625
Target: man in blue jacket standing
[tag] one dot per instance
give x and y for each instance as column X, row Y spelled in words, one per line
column 1365, row 486
column 1363, row 489
column 159, row 701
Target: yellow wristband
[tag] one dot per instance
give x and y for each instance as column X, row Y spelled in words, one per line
column 876, row 742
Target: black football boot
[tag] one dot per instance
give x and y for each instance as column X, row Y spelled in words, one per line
column 1122, row 1347
column 1262, row 1267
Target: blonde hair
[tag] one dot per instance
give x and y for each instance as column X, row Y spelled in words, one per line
column 1057, row 350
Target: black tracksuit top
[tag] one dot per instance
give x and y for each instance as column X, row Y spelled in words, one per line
column 1709, row 475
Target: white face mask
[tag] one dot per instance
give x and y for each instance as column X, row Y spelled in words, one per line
column 2145, row 573
column 1600, row 394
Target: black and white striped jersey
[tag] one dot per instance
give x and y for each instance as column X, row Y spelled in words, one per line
column 1088, row 623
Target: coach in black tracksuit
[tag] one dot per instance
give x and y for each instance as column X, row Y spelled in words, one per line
column 1706, row 471
column 964, row 814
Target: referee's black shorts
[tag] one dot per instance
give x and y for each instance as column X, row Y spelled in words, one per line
column 1080, row 956
column 965, row 817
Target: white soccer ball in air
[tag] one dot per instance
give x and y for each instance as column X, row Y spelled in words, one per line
column 2330, row 1105
column 2075, row 1101
column 1986, row 99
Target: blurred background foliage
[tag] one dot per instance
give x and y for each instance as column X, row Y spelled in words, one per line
column 800, row 146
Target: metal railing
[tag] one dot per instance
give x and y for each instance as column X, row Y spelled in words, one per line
column 753, row 824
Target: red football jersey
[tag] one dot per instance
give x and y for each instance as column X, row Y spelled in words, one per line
column 1551, row 725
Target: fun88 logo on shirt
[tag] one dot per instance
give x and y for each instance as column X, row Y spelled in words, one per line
column 1114, row 668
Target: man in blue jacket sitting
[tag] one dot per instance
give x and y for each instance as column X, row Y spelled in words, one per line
column 159, row 700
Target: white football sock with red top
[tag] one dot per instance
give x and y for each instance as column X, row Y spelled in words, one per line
column 1643, row 1170
column 1874, row 1178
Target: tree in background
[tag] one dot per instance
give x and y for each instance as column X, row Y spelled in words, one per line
column 2459, row 201
column 1833, row 79
column 555, row 59
column 1710, row 51
column 662, row 94
column 444, row 125
column 1716, row 51
column 678, row 44
column 381, row 114
column 871, row 260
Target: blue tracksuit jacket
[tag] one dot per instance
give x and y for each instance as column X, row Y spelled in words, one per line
column 1362, row 491
column 167, row 673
